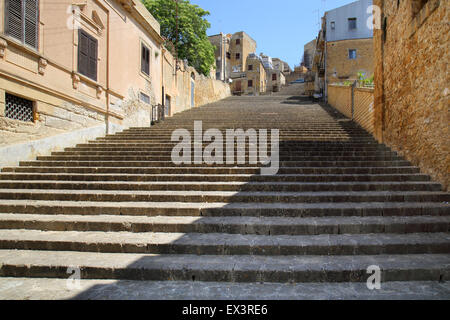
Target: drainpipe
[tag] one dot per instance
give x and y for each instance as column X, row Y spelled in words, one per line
column 107, row 73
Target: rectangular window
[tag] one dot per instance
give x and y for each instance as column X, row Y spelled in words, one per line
column 144, row 98
column 352, row 23
column 250, row 83
column 18, row 108
column 238, row 41
column 145, row 60
column 228, row 55
column 22, row 21
column 250, row 67
column 238, row 56
column 87, row 55
column 352, row 54
column 333, row 25
column 274, row 77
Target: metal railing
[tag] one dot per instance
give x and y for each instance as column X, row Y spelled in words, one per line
column 158, row 114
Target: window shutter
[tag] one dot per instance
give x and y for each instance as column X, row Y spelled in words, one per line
column 31, row 23
column 14, row 19
column 83, row 53
column 93, row 58
column 87, row 55
column 145, row 60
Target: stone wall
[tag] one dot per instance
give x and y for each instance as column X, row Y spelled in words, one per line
column 209, row 91
column 356, row 104
column 412, row 83
column 340, row 98
column 363, row 108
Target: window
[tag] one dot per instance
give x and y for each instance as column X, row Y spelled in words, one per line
column 87, row 55
column 274, row 77
column 144, row 98
column 250, row 83
column 352, row 54
column 238, row 56
column 333, row 25
column 250, row 67
column 18, row 108
column 22, row 21
column 228, row 55
column 238, row 42
column 145, row 60
column 352, row 23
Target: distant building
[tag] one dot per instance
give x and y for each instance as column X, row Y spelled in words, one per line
column 349, row 41
column 240, row 47
column 267, row 61
column 223, row 55
column 308, row 54
column 253, row 81
column 344, row 45
column 280, row 65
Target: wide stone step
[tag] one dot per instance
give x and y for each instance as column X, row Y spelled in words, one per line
column 224, row 196
column 56, row 289
column 169, row 158
column 225, row 244
column 217, row 170
column 282, row 154
column 291, row 269
column 369, row 209
column 213, row 177
column 223, row 186
column 283, row 149
column 230, row 225
column 149, row 164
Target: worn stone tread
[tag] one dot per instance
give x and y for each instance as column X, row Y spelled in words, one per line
column 228, row 209
column 57, row 289
column 233, row 225
column 245, row 268
column 225, row 244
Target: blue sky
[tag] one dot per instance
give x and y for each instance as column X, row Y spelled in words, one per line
column 281, row 28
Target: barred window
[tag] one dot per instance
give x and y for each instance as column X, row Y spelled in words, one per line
column 18, row 108
column 22, row 21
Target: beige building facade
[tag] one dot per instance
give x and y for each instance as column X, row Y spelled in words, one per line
column 92, row 64
column 73, row 71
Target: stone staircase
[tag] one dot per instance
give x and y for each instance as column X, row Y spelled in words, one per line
column 118, row 207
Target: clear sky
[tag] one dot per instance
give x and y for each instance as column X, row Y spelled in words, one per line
column 281, row 28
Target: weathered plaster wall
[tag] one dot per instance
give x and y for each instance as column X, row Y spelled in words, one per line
column 412, row 84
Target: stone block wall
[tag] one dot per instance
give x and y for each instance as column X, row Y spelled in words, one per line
column 340, row 97
column 209, row 91
column 363, row 111
column 412, row 83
